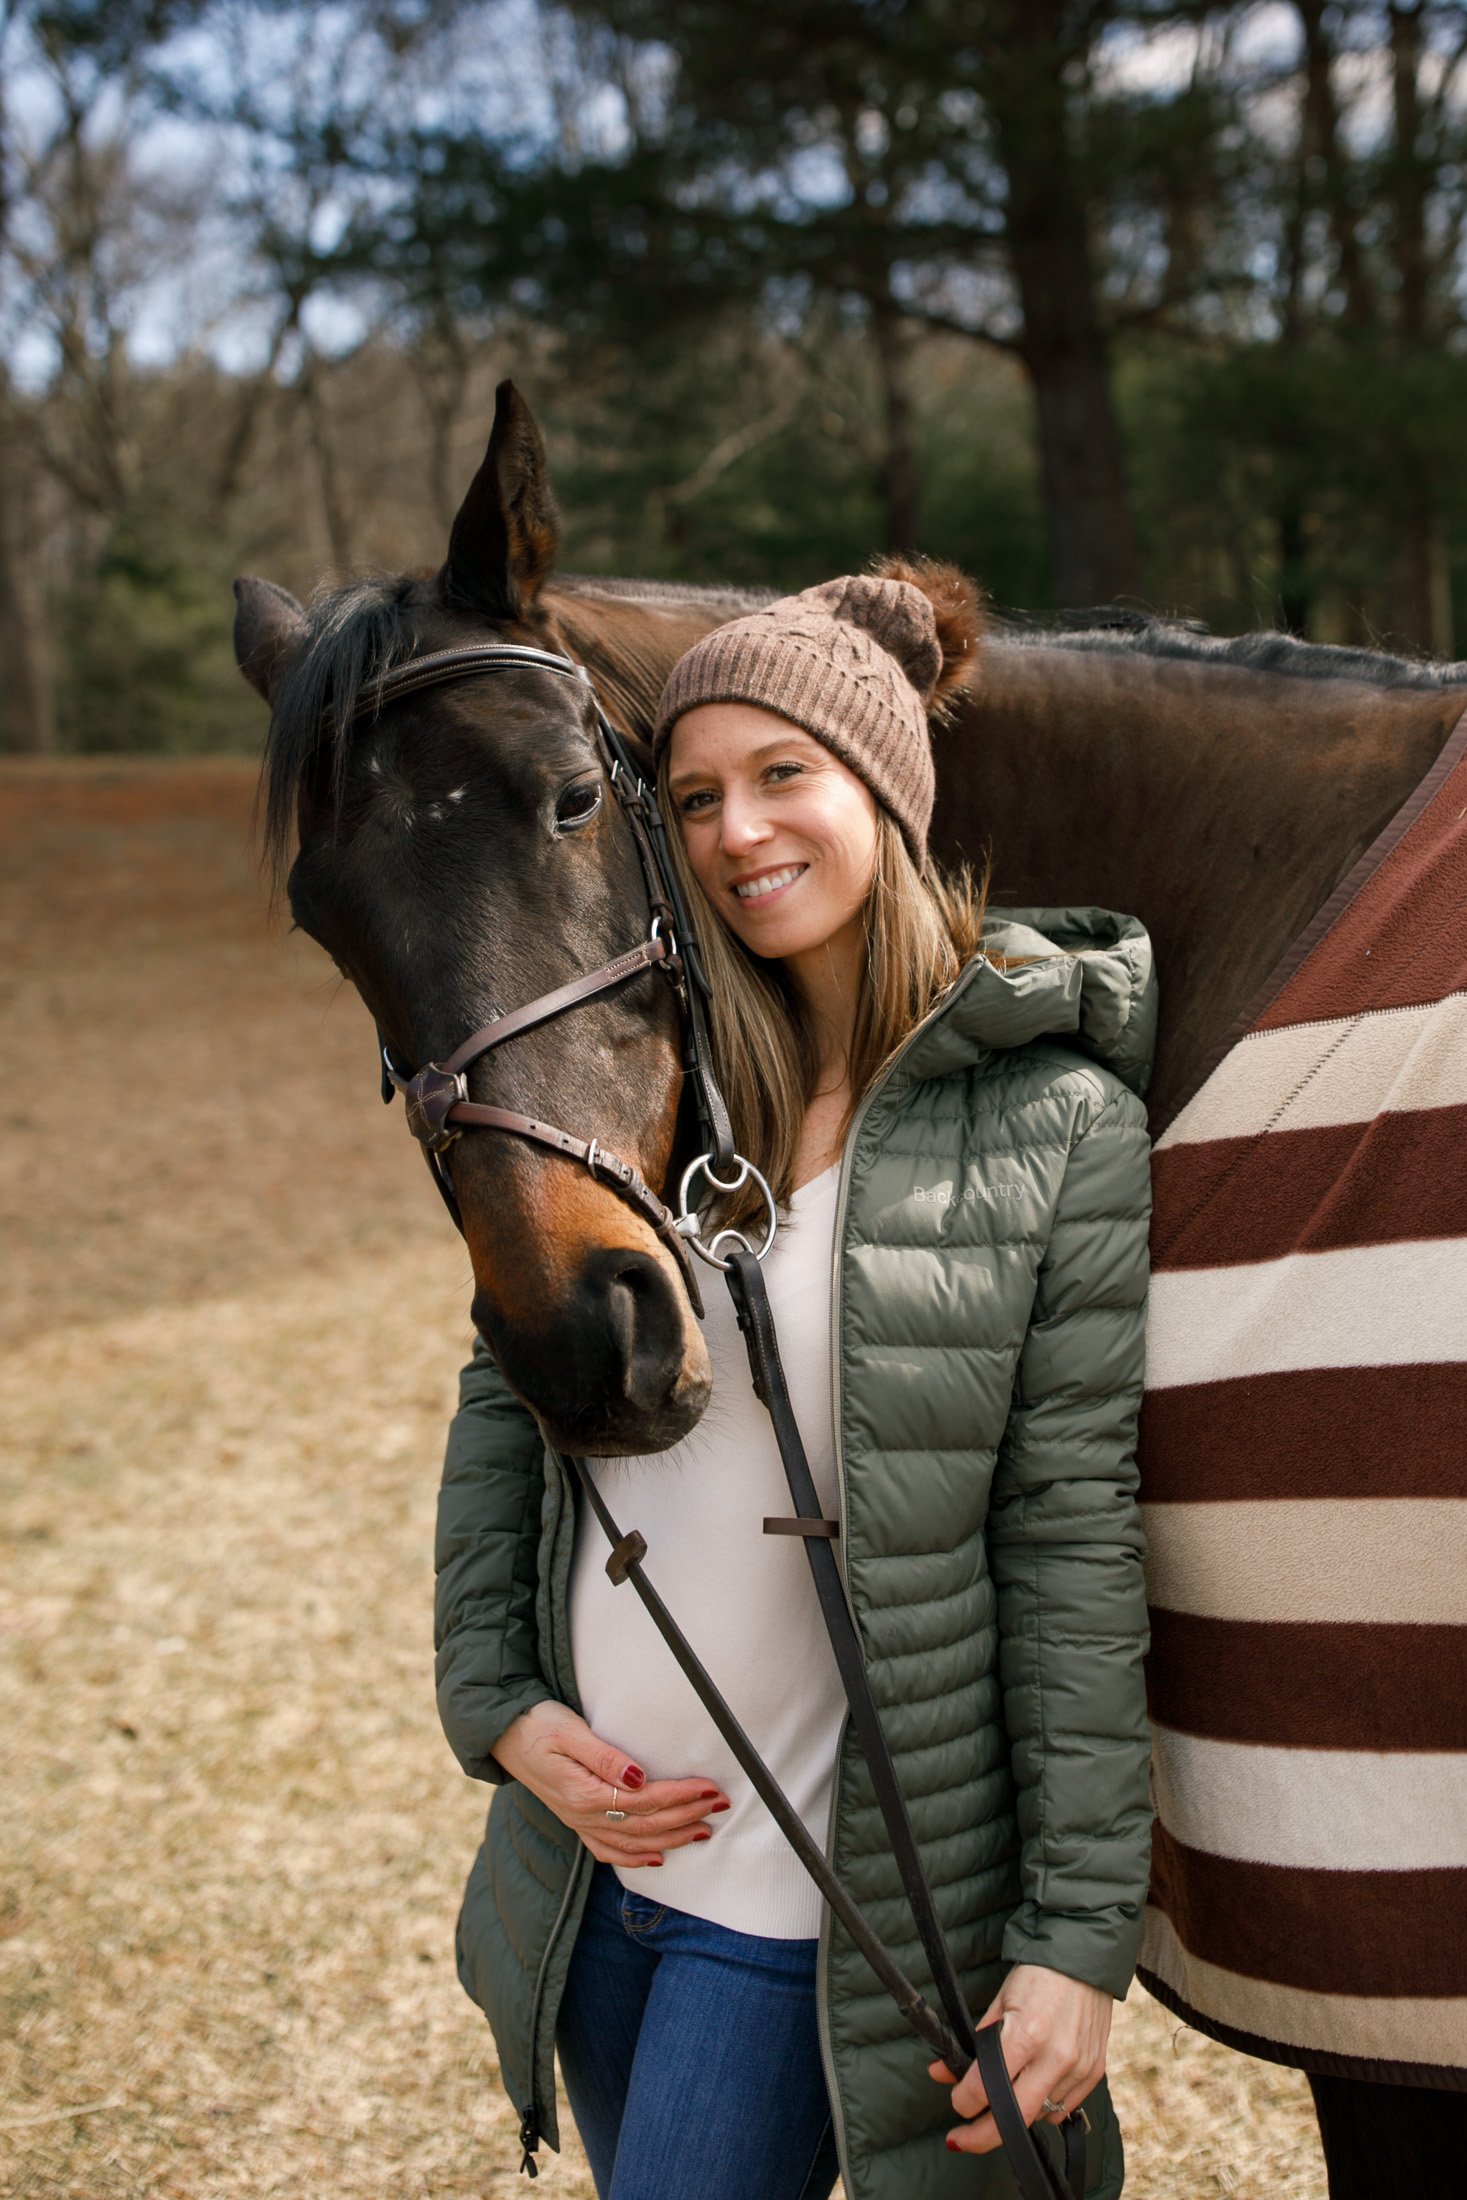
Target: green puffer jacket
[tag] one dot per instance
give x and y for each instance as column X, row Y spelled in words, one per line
column 988, row 1322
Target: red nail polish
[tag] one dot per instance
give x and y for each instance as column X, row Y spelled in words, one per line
column 718, row 1807
column 702, row 1834
column 952, row 2145
column 653, row 1862
column 709, row 1795
column 634, row 1777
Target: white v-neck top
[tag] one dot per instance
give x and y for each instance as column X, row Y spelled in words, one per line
column 744, row 1599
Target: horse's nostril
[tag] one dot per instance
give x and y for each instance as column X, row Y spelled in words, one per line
column 635, row 1275
column 629, row 1293
column 646, row 1324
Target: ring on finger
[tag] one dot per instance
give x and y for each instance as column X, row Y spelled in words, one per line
column 1052, row 2108
column 615, row 1815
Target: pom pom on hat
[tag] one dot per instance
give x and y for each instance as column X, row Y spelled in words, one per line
column 957, row 616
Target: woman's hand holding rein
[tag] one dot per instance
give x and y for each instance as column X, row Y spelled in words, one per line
column 1055, row 2029
column 1055, row 2034
column 574, row 1773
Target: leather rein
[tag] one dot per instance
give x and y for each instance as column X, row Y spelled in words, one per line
column 439, row 1110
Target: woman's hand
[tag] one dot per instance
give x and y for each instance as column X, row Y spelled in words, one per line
column 1055, row 2033
column 553, row 1751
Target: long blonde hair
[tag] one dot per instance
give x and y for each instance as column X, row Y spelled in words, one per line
column 921, row 929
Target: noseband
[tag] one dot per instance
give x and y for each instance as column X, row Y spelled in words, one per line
column 436, row 1097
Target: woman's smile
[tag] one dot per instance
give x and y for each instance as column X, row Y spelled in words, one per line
column 767, row 886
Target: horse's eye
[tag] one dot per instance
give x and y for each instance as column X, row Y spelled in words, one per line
column 578, row 803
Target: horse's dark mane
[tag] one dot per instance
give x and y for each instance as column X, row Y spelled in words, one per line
column 353, row 635
column 1125, row 633
column 1115, row 630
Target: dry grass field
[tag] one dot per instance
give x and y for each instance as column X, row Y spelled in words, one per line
column 231, row 1314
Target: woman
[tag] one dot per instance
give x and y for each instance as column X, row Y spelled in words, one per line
column 955, row 1132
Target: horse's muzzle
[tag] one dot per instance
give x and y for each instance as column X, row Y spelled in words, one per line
column 622, row 1370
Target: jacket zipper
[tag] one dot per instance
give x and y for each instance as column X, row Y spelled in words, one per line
column 828, row 2055
column 822, row 1986
column 531, row 2121
column 842, row 1199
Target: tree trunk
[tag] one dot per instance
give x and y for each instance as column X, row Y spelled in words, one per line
column 1092, row 531
column 1408, row 172
column 1292, row 604
column 28, row 715
column 318, row 426
column 254, row 394
column 899, row 470
column 1320, row 140
column 1415, row 586
column 1421, row 580
column 29, row 723
column 1295, row 594
column 439, row 363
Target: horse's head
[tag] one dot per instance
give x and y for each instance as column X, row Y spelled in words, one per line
column 459, row 854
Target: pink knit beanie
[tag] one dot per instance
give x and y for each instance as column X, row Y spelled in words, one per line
column 857, row 662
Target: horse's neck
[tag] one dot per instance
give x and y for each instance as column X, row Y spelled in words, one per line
column 629, row 644
column 1221, row 806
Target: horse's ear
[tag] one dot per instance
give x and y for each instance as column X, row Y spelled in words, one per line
column 502, row 548
column 269, row 626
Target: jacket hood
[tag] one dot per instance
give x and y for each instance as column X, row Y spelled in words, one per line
column 1092, row 980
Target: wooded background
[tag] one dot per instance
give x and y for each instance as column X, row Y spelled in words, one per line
column 1150, row 302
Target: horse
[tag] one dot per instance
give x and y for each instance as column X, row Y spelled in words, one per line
column 456, row 850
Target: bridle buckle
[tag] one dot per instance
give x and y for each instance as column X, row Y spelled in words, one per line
column 619, row 773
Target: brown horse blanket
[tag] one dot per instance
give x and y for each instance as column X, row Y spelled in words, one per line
column 1304, row 1483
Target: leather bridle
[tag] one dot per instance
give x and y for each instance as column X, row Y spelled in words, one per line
column 439, row 1110
column 436, row 1097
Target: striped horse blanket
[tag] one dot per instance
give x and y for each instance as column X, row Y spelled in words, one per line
column 1304, row 1484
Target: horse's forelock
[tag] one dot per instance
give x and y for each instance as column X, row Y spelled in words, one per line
column 354, row 634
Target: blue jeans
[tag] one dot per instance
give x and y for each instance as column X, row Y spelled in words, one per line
column 691, row 2056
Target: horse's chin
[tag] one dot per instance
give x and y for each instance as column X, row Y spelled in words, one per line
column 622, row 1368
column 621, row 1431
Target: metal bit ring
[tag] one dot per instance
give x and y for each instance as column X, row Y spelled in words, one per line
column 687, row 1223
